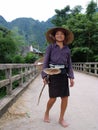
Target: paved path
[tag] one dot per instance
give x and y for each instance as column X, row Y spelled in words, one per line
column 82, row 111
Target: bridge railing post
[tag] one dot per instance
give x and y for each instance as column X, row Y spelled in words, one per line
column 96, row 70
column 8, row 74
column 84, row 67
column 21, row 76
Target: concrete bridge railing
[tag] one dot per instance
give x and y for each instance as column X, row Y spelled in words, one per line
column 22, row 74
column 86, row 67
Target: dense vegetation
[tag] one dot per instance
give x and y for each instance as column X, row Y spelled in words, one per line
column 85, row 29
column 10, row 48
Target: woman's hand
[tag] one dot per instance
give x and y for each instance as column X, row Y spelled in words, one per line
column 45, row 80
column 71, row 82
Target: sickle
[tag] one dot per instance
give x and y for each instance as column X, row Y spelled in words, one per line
column 40, row 94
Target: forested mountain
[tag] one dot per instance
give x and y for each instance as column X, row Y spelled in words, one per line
column 3, row 22
column 32, row 31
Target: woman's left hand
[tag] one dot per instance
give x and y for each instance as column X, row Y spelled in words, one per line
column 71, row 82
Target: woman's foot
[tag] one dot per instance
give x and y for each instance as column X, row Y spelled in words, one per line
column 63, row 123
column 46, row 118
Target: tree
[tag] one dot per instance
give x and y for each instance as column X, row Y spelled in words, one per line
column 91, row 9
column 7, row 46
column 76, row 10
column 61, row 16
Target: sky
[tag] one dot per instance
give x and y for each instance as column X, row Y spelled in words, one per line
column 40, row 10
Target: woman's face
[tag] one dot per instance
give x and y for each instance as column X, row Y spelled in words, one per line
column 59, row 36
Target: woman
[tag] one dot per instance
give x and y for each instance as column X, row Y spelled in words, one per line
column 58, row 54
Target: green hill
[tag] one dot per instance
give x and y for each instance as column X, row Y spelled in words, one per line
column 32, row 31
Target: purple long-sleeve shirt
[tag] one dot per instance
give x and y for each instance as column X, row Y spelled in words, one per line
column 57, row 56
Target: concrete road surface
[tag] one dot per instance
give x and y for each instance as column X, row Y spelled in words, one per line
column 81, row 114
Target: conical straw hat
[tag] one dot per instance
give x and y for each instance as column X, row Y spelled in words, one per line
column 51, row 33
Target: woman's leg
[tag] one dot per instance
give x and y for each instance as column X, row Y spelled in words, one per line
column 64, row 102
column 49, row 105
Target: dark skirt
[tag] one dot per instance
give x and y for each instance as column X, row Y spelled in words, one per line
column 58, row 85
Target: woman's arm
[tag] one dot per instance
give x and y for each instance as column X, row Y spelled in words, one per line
column 46, row 61
column 70, row 69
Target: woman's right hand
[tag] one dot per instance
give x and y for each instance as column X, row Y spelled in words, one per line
column 45, row 80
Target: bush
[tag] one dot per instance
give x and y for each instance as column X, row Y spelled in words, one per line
column 18, row 59
column 30, row 58
column 96, row 58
